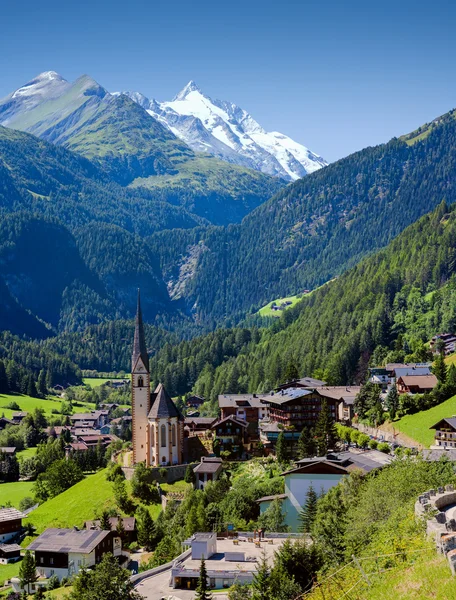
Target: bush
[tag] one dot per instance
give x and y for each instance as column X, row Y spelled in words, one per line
column 53, row 583
column 384, row 447
column 373, row 444
column 164, row 474
column 26, row 503
column 115, row 471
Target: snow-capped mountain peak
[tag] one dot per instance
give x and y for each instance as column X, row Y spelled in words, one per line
column 231, row 133
column 39, row 84
column 185, row 91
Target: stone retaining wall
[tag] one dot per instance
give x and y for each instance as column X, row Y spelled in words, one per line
column 174, row 473
column 431, row 505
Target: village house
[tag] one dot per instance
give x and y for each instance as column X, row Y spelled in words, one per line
column 4, row 422
column 416, row 384
column 209, row 469
column 299, row 407
column 388, row 375
column 8, row 450
column 198, row 425
column 322, row 473
column 92, row 420
column 344, row 396
column 129, row 525
column 10, row 524
column 445, row 434
column 232, row 434
column 447, row 341
column 9, row 553
column 194, row 401
column 18, row 417
column 64, row 552
column 251, row 408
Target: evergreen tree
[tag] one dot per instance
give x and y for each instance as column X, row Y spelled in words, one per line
column 120, row 528
column 105, row 524
column 189, row 475
column 147, row 530
column 308, row 511
column 439, row 368
column 325, row 430
column 3, row 378
column 305, row 443
column 42, row 390
column 260, row 584
column 31, row 387
column 202, row 589
column 27, row 571
column 39, row 594
column 281, row 450
column 392, row 402
column 291, row 372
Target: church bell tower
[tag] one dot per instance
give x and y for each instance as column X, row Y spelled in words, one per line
column 140, row 392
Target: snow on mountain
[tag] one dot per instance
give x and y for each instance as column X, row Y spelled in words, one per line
column 229, row 132
column 46, row 86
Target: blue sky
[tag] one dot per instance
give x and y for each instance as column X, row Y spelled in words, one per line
column 336, row 76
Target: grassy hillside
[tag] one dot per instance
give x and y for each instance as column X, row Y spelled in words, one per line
column 417, row 426
column 266, row 311
column 14, row 492
column 76, row 505
column 27, row 403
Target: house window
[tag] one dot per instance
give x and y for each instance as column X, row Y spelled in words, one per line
column 152, row 435
column 41, row 560
column 163, row 436
column 173, row 435
column 51, row 561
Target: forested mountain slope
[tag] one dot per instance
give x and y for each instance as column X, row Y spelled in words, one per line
column 385, row 307
column 317, row 227
column 132, row 147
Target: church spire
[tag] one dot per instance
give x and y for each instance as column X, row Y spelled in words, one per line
column 139, row 342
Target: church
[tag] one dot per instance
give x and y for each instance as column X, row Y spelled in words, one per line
column 157, row 424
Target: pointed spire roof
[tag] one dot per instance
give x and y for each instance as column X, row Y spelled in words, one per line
column 139, row 342
column 162, row 405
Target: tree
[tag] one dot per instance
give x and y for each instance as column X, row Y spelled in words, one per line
column 260, row 584
column 27, row 571
column 392, row 402
column 240, row 591
column 368, row 404
column 305, row 443
column 41, row 385
column 308, row 511
column 120, row 528
column 60, row 476
column 439, row 368
column 325, row 430
column 273, row 518
column 291, row 372
column 107, row 580
column 105, row 523
column 189, row 475
column 281, row 451
column 202, row 589
column 147, row 531
column 121, row 495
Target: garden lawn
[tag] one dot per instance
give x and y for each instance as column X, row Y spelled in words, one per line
column 27, row 453
column 417, row 426
column 8, row 571
column 14, row 492
column 177, row 486
column 29, row 404
column 94, row 382
column 267, row 311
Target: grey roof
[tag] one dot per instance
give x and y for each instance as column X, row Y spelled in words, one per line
column 287, row 395
column 139, row 341
column 437, row 454
column 162, row 405
column 200, row 420
column 401, row 372
column 8, row 449
column 242, row 400
column 10, row 547
column 451, row 421
column 209, row 465
column 10, row 514
column 68, row 540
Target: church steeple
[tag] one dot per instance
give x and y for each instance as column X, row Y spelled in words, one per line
column 139, row 342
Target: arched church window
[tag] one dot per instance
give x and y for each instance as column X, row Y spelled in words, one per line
column 173, row 435
column 152, row 436
column 163, row 436
column 140, row 381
